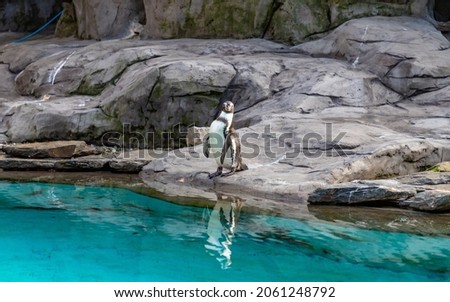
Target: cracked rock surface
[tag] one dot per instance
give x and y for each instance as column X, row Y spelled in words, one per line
column 357, row 104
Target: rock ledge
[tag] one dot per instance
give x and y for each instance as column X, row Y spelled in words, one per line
column 69, row 156
column 421, row 194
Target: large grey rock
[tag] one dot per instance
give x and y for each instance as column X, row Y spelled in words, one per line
column 362, row 192
column 129, row 162
column 379, row 193
column 70, row 118
column 19, row 55
column 399, row 158
column 166, row 96
column 410, row 60
column 138, row 83
column 55, row 149
column 78, row 164
column 84, row 71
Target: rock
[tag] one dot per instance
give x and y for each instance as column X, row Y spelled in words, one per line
column 425, row 179
column 184, row 91
column 362, row 192
column 67, row 23
column 421, row 191
column 19, row 55
column 429, row 201
column 85, row 71
column 55, row 149
column 79, row 164
column 71, row 156
column 296, row 21
column 410, row 61
column 290, row 21
column 108, row 19
column 252, row 83
column 83, row 163
column 60, row 119
column 157, row 166
column 7, row 87
column 130, row 161
column 127, row 165
column 403, row 158
column 196, row 135
column 132, row 92
column 205, row 19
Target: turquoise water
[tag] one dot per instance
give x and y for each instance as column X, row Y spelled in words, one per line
column 74, row 233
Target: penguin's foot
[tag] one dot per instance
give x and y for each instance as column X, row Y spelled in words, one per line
column 215, row 174
column 228, row 173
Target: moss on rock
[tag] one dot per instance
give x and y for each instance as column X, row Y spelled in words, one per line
column 441, row 167
column 87, row 88
column 342, row 11
column 67, row 23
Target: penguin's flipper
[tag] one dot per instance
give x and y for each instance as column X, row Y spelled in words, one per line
column 206, row 146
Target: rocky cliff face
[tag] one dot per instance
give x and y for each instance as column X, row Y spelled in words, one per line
column 288, row 21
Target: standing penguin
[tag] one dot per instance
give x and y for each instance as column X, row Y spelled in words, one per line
column 223, row 143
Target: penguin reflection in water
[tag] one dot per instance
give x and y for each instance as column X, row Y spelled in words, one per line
column 223, row 143
column 221, row 228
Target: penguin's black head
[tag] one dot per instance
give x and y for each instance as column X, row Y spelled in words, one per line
column 228, row 107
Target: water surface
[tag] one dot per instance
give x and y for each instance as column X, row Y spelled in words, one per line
column 77, row 233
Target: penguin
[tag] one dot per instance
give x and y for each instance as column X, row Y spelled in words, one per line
column 223, row 143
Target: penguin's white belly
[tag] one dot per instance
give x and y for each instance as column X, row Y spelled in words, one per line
column 216, row 139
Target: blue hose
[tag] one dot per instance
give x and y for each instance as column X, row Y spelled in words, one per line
column 40, row 29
